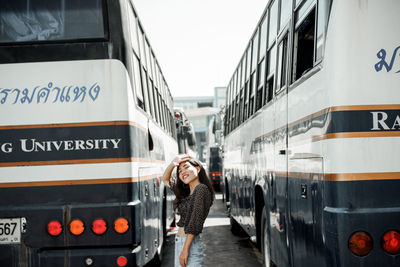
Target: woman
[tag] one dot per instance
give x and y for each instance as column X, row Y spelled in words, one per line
column 194, row 197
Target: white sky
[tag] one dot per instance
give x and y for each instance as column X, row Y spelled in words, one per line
column 198, row 43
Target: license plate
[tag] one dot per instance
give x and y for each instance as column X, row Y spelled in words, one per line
column 10, row 231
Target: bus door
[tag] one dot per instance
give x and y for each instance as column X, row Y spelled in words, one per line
column 278, row 214
column 306, row 205
column 149, row 215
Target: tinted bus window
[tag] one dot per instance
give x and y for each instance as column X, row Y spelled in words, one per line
column 43, row 20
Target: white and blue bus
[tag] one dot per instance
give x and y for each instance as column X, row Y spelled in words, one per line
column 312, row 134
column 86, row 127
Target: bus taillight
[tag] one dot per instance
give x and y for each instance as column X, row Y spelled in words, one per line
column 391, row 242
column 76, row 227
column 99, row 226
column 54, row 228
column 360, row 243
column 122, row 261
column 121, row 225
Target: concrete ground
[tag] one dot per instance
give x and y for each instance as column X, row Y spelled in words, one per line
column 221, row 247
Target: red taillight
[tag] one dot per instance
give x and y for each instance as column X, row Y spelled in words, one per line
column 54, row 228
column 391, row 242
column 360, row 243
column 99, row 226
column 122, row 261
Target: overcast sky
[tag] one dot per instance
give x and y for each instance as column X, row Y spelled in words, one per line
column 198, row 43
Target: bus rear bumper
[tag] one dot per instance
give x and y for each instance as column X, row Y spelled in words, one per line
column 342, row 223
column 87, row 257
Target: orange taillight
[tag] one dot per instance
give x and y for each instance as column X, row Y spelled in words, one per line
column 121, row 225
column 54, row 228
column 360, row 243
column 76, row 227
column 99, row 226
column 391, row 242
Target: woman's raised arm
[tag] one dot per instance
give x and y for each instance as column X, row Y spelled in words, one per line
column 175, row 162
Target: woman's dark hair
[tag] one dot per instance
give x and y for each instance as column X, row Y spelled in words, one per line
column 182, row 190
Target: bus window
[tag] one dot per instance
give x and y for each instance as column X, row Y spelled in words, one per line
column 141, row 47
column 148, row 60
column 304, row 46
column 271, row 72
column 246, row 100
column 147, row 99
column 237, row 111
column 282, row 63
column 44, row 20
column 263, row 38
column 248, row 65
column 133, row 30
column 152, row 99
column 260, row 83
column 137, row 85
column 252, row 93
column 273, row 21
column 269, row 90
column 255, row 51
column 242, row 73
column 286, row 11
column 323, row 7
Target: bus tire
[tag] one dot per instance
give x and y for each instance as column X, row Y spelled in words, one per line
column 265, row 248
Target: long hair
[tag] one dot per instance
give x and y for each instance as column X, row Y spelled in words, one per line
column 182, row 190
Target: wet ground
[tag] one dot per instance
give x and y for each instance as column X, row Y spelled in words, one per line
column 221, row 247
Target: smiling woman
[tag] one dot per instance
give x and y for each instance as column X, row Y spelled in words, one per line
column 194, row 197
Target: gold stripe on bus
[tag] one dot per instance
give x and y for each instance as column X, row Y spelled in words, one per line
column 81, row 182
column 79, row 161
column 78, row 124
column 355, row 135
column 362, row 176
column 338, row 177
column 365, row 107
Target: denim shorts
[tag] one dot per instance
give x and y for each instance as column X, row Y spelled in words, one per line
column 196, row 256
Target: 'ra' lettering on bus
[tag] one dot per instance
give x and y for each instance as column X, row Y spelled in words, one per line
column 381, row 121
column 32, row 145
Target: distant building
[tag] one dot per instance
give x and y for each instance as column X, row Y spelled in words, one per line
column 199, row 110
column 219, row 96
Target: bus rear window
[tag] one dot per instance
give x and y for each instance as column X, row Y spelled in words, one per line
column 54, row 20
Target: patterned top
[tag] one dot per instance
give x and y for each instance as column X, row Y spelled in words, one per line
column 194, row 209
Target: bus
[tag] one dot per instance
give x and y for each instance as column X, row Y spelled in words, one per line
column 185, row 134
column 86, row 129
column 312, row 134
column 213, row 150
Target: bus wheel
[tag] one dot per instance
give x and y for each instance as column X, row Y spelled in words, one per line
column 265, row 249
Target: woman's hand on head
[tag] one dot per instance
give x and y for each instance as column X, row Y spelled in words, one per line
column 179, row 159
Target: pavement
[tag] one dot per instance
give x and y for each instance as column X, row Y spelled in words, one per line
column 221, row 247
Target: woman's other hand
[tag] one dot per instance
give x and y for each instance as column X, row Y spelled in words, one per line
column 183, row 258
